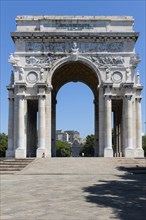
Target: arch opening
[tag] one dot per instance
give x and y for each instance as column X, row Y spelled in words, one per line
column 75, row 72
column 75, row 116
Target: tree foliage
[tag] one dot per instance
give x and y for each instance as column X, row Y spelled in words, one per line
column 144, row 144
column 88, row 147
column 63, row 149
column 3, row 144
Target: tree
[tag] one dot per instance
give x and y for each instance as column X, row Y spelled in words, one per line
column 3, row 144
column 144, row 144
column 63, row 149
column 88, row 147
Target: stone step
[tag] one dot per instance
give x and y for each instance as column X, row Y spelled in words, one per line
column 81, row 166
column 11, row 166
column 71, row 165
column 13, row 163
column 16, row 160
column 5, row 172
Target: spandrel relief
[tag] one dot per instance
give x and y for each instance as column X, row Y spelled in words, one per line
column 107, row 60
column 44, row 61
column 31, row 60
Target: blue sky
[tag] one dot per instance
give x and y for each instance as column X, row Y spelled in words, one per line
column 75, row 109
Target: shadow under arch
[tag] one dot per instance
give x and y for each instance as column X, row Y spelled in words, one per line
column 65, row 71
column 82, row 70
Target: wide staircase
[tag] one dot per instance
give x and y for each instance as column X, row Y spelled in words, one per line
column 72, row 166
column 12, row 166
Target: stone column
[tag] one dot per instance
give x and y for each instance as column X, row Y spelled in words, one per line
column 123, row 127
column 101, row 122
column 15, row 121
column 54, row 102
column 49, row 122
column 139, row 151
column 10, row 150
column 41, row 126
column 108, row 151
column 21, row 148
column 96, row 127
column 129, row 152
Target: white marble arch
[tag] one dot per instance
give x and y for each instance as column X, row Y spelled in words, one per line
column 93, row 71
column 104, row 51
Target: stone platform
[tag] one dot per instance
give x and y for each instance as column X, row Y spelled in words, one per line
column 76, row 189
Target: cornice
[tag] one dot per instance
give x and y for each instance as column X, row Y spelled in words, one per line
column 75, row 36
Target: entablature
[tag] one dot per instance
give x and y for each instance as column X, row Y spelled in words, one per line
column 124, row 36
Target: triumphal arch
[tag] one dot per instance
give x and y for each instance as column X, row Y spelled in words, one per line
column 53, row 50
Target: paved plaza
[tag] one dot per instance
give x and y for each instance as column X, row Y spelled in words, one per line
column 75, row 189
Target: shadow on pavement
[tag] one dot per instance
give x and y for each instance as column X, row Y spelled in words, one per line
column 126, row 195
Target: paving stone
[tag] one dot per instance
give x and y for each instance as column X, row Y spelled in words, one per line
column 74, row 189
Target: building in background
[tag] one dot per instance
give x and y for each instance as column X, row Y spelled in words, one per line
column 68, row 136
column 72, row 137
column 62, row 135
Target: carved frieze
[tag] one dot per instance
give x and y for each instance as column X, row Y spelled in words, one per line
column 31, row 60
column 107, row 60
column 42, row 60
column 85, row 47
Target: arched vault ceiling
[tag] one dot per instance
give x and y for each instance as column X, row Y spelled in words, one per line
column 75, row 71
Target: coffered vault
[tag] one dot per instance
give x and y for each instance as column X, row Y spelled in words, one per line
column 53, row 50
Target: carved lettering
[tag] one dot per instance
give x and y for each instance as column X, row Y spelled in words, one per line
column 74, row 27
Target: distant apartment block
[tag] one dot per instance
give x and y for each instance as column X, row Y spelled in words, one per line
column 68, row 136
column 72, row 137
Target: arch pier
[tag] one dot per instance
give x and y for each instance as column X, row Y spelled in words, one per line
column 98, row 51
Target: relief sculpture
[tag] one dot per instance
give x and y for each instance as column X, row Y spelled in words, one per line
column 42, row 60
column 107, row 60
column 62, row 47
column 31, row 60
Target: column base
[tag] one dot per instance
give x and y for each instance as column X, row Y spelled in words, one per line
column 52, row 153
column 101, row 151
column 40, row 153
column 108, row 152
column 96, row 152
column 129, row 153
column 139, row 152
column 10, row 153
column 20, row 153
